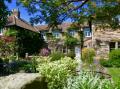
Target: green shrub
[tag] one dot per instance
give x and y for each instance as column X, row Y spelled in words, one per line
column 110, row 63
column 70, row 41
column 105, row 63
column 87, row 55
column 86, row 80
column 56, row 56
column 57, row 72
column 71, row 54
column 115, row 54
column 114, row 59
column 115, row 63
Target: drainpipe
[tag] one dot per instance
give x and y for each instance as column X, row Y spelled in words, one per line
column 92, row 34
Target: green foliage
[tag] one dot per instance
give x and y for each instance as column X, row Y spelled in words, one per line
column 115, row 73
column 110, row 16
column 105, row 63
column 7, row 49
column 28, row 42
column 10, row 32
column 3, row 13
column 56, row 56
column 73, row 27
column 114, row 59
column 71, row 54
column 87, row 55
column 25, row 41
column 22, row 65
column 57, row 72
column 86, row 80
column 70, row 41
column 54, row 12
column 114, row 54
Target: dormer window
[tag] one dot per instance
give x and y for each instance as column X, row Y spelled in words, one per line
column 1, row 31
column 87, row 32
column 72, row 33
column 56, row 34
column 44, row 35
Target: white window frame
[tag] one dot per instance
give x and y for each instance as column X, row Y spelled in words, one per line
column 1, row 32
column 72, row 33
column 56, row 34
column 44, row 35
column 87, row 32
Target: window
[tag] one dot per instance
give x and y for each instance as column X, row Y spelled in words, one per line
column 112, row 46
column 87, row 32
column 56, row 34
column 1, row 31
column 119, row 45
column 44, row 35
column 72, row 32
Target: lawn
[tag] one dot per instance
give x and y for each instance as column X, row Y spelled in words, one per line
column 115, row 73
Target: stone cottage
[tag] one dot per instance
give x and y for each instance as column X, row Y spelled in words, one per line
column 103, row 41
column 23, row 33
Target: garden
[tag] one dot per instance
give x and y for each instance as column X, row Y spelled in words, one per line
column 57, row 70
column 60, row 71
column 113, row 65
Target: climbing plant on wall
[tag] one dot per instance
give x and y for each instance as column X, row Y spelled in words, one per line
column 25, row 41
column 70, row 41
column 28, row 42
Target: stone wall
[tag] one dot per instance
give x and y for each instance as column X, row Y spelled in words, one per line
column 101, row 40
column 23, row 81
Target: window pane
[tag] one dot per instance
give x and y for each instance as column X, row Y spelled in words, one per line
column 118, row 44
column 87, row 32
column 72, row 32
column 56, row 34
column 112, row 46
column 1, row 31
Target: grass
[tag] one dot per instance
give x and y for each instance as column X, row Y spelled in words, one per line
column 115, row 73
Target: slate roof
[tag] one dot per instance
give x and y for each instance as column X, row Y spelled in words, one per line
column 63, row 27
column 13, row 20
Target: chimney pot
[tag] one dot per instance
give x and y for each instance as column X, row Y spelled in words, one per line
column 16, row 13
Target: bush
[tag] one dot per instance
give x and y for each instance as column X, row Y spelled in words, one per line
column 86, row 80
column 114, row 59
column 26, row 66
column 87, row 55
column 115, row 54
column 57, row 72
column 115, row 63
column 56, row 56
column 71, row 54
column 105, row 63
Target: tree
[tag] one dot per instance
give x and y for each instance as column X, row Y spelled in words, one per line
column 54, row 12
column 3, row 13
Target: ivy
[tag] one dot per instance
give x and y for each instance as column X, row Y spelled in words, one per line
column 28, row 42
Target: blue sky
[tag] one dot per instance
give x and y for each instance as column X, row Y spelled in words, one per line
column 23, row 11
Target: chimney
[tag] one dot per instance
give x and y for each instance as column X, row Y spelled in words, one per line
column 16, row 13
